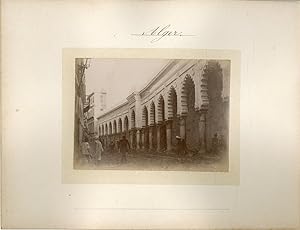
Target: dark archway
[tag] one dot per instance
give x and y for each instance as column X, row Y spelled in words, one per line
column 126, row 124
column 161, row 123
column 152, row 128
column 145, row 124
column 120, row 126
column 114, row 127
column 132, row 119
column 172, row 112
column 110, row 128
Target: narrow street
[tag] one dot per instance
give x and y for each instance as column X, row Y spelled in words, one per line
column 158, row 161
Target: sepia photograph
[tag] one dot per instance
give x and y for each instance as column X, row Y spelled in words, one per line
column 152, row 114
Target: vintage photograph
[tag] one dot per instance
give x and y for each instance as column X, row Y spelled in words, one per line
column 152, row 114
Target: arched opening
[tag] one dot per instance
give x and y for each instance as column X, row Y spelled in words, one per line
column 152, row 128
column 110, row 128
column 145, row 117
column 133, row 131
column 120, row 126
column 145, row 124
column 106, row 136
column 115, row 127
column 126, row 124
column 152, row 113
column 126, row 127
column 161, row 109
column 161, row 123
column 172, row 107
column 132, row 119
column 218, row 109
column 190, row 114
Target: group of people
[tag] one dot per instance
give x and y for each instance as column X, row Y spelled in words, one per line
column 92, row 154
column 217, row 144
column 95, row 154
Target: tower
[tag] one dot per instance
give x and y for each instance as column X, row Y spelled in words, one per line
column 102, row 100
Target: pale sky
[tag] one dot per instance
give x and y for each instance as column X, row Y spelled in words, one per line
column 120, row 77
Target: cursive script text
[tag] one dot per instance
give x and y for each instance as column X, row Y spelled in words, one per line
column 160, row 32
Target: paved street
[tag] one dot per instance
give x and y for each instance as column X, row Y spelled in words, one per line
column 158, row 161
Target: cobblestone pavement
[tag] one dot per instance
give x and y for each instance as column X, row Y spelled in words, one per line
column 159, row 161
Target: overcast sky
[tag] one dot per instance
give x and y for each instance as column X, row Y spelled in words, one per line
column 120, row 77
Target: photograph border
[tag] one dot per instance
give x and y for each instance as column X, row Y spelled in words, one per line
column 75, row 176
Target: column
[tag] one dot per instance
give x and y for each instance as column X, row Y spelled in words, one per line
column 158, row 137
column 182, row 126
column 169, row 135
column 138, row 139
column 131, row 138
column 150, row 137
column 143, row 138
column 203, row 131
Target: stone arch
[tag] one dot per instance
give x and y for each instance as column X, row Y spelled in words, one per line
column 106, row 129
column 160, row 109
column 187, row 94
column 217, row 113
column 145, row 116
column 110, row 128
column 132, row 119
column 152, row 113
column 120, row 126
column 115, row 127
column 172, row 103
column 126, row 123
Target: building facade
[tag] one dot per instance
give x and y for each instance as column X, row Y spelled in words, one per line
column 187, row 98
column 96, row 103
column 80, row 101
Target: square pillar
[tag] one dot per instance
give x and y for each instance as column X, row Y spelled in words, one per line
column 158, row 127
column 203, row 131
column 143, row 138
column 151, row 137
column 131, row 134
column 138, row 133
column 169, row 135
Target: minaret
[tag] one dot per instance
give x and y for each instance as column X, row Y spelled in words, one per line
column 102, row 100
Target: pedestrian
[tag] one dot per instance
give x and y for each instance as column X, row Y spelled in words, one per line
column 99, row 149
column 86, row 151
column 178, row 146
column 181, row 146
column 111, row 146
column 124, row 148
column 215, row 144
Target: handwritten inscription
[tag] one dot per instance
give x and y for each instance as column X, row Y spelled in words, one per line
column 161, row 32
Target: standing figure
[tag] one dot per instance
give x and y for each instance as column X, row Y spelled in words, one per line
column 99, row 149
column 86, row 151
column 181, row 146
column 124, row 148
column 111, row 146
column 178, row 146
column 215, row 144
